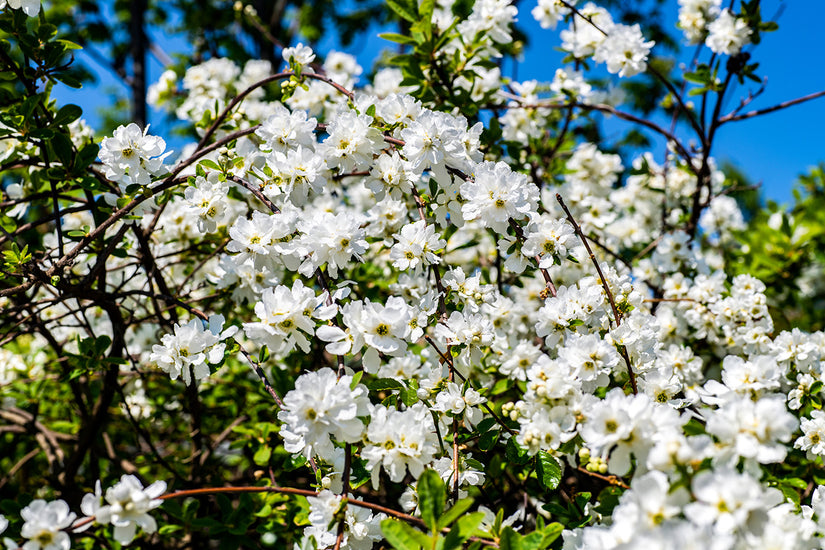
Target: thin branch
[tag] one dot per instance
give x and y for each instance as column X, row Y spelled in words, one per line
column 606, row 287
column 766, row 110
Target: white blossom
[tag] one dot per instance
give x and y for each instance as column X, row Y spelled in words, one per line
column 45, row 523
column 125, row 505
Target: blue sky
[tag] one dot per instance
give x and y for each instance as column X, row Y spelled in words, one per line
column 772, row 149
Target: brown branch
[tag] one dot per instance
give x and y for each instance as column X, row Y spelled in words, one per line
column 605, row 286
column 783, row 105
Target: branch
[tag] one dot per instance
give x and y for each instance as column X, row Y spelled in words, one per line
column 606, row 287
column 784, row 105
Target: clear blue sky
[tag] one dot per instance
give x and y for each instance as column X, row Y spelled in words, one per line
column 772, row 149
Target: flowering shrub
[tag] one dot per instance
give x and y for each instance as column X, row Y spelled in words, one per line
column 352, row 316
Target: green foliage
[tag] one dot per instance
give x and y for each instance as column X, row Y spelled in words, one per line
column 786, row 250
column 432, row 500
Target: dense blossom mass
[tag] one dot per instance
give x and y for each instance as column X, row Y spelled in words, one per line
column 428, row 302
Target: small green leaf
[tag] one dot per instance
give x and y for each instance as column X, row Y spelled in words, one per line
column 548, row 471
column 384, row 384
column 262, row 456
column 515, row 453
column 101, row 345
column 67, row 114
column 431, row 498
column 210, row 164
column 169, row 529
column 403, row 536
column 488, row 440
column 69, row 45
column 62, row 146
column 462, row 530
column 397, row 38
column 453, row 513
column 404, row 10
column 356, row 379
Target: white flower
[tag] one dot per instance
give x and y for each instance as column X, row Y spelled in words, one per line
column 729, row 500
column 127, row 504
column 161, row 92
column 813, row 440
column 416, row 246
column 550, row 240
column 322, row 407
column 362, row 529
column 582, row 37
column 399, row 440
column 624, row 50
column 650, row 502
column 694, row 16
column 44, row 525
column 296, row 172
column 497, row 194
column 754, row 429
column 298, row 55
column 332, row 239
column 491, row 17
column 29, row 7
column 455, row 401
column 285, row 130
column 207, row 199
column 728, row 34
column 383, row 328
column 352, row 142
column 133, row 157
column 342, row 67
column 194, row 346
column 549, row 12
column 285, row 318
column 390, row 174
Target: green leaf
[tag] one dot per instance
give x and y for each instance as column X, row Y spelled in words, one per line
column 397, row 38
column 409, row 397
column 402, row 536
column 431, row 498
column 102, row 342
column 515, row 453
column 69, row 45
column 262, row 456
column 548, row 471
column 384, row 384
column 356, row 379
column 86, row 156
column 210, row 164
column 453, row 513
column 62, row 146
column 68, row 80
column 697, row 77
column 510, row 540
column 67, row 114
column 425, row 11
column 488, row 440
column 462, row 530
column 169, row 529
column 404, row 10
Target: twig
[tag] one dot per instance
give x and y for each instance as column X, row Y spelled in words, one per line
column 613, row 480
column 616, row 313
column 766, row 110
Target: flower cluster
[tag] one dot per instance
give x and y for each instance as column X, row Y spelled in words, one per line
column 425, row 298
